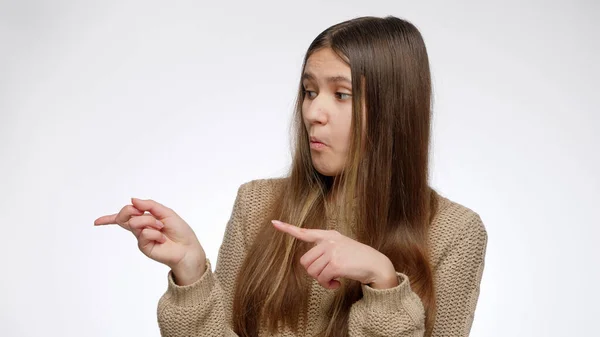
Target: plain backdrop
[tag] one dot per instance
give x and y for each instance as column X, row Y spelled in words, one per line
column 183, row 101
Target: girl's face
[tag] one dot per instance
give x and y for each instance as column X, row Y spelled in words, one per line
column 327, row 110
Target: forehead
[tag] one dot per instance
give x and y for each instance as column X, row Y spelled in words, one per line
column 325, row 62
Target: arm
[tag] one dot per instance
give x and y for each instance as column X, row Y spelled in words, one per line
column 399, row 311
column 457, row 281
column 203, row 308
column 390, row 312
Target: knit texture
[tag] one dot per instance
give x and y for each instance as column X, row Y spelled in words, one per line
column 458, row 241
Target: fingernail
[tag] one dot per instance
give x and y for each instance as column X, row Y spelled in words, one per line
column 160, row 224
column 277, row 222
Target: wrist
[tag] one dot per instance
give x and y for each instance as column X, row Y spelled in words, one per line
column 188, row 272
column 385, row 277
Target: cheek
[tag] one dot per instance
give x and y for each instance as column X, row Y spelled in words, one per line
column 343, row 130
column 304, row 119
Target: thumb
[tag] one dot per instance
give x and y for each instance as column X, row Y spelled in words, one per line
column 158, row 210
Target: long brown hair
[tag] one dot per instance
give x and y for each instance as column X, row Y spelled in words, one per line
column 383, row 189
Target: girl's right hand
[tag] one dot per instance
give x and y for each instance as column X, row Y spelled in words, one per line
column 162, row 236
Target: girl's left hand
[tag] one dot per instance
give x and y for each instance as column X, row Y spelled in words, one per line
column 335, row 255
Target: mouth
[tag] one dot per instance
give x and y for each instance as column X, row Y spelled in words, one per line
column 317, row 144
column 316, row 140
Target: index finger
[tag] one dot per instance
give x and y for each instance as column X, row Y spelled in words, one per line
column 106, row 220
column 306, row 235
column 114, row 219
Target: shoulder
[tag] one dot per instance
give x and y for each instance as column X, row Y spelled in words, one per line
column 260, row 191
column 454, row 216
column 254, row 203
column 455, row 226
column 263, row 187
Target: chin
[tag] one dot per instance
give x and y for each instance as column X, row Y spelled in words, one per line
column 325, row 170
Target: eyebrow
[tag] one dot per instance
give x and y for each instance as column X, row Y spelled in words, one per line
column 331, row 79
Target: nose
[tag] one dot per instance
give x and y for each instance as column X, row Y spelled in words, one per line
column 315, row 111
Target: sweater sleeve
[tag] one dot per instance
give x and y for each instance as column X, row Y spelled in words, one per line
column 204, row 307
column 399, row 311
column 457, row 281
column 390, row 312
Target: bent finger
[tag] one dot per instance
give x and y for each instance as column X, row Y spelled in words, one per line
column 157, row 209
column 328, row 277
column 126, row 213
column 149, row 235
column 313, row 254
column 139, row 222
column 316, row 268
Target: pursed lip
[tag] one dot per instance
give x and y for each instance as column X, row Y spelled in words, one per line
column 316, row 140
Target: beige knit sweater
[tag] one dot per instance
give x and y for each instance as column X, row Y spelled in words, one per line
column 458, row 242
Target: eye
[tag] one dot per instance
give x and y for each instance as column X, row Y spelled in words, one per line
column 342, row 96
column 309, row 93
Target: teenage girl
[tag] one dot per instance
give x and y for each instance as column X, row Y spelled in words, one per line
column 353, row 241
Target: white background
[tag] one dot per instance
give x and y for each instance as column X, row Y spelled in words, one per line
column 182, row 101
